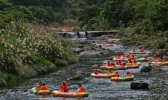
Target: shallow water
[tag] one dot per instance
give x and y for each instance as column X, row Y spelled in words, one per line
column 98, row 88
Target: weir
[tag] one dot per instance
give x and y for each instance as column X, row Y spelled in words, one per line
column 86, row 34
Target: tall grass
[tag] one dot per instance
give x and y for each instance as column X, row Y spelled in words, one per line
column 28, row 50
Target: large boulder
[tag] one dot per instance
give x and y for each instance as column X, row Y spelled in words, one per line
column 139, row 85
column 145, row 69
column 150, row 58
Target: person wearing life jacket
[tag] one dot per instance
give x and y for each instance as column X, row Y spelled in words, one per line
column 80, row 88
column 116, row 74
column 127, row 74
column 123, row 55
column 156, row 60
column 38, row 86
column 163, row 60
column 112, row 64
column 134, row 50
column 129, row 61
column 132, row 56
column 118, row 62
column 64, row 87
column 96, row 72
column 129, row 56
column 110, row 72
column 122, row 64
column 103, row 43
column 134, row 61
column 109, row 63
column 43, row 87
column 141, row 49
column 111, row 43
column 118, row 56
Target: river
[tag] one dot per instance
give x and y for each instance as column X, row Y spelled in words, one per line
column 98, row 88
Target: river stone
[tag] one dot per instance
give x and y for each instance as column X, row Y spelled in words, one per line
column 76, row 77
column 139, row 85
column 146, row 69
column 95, row 66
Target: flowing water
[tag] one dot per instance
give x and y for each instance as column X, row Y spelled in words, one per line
column 98, row 88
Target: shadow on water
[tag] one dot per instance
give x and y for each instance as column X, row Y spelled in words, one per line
column 98, row 88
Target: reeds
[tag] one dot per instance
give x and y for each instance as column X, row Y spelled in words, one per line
column 28, row 50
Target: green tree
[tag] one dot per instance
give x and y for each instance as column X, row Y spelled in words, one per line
column 111, row 13
column 89, row 16
column 4, row 4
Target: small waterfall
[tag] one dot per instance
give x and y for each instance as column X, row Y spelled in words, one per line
column 82, row 35
column 71, row 35
column 68, row 34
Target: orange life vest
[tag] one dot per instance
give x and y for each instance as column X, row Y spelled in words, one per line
column 43, row 88
column 116, row 75
column 134, row 50
column 128, row 75
column 96, row 72
column 80, row 89
column 164, row 60
column 142, row 50
column 64, row 88
column 135, row 61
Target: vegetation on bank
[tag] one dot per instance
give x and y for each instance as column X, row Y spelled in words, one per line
column 155, row 41
column 143, row 20
column 28, row 50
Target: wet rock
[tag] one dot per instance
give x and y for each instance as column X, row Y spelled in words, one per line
column 110, row 58
column 145, row 69
column 155, row 67
column 150, row 58
column 105, row 62
column 78, row 76
column 77, row 50
column 90, row 53
column 95, row 66
column 139, row 85
column 79, row 72
column 155, row 54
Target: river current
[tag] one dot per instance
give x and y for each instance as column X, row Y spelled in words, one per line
column 98, row 88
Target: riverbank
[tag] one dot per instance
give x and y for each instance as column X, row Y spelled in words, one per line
column 132, row 40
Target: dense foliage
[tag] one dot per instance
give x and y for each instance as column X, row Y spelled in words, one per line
column 145, row 20
column 151, row 14
column 50, row 12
